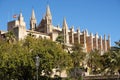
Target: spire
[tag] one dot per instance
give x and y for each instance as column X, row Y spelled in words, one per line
column 91, row 34
column 20, row 18
column 65, row 31
column 48, row 16
column 48, row 13
column 65, row 26
column 33, row 21
column 78, row 29
column 96, row 35
column 20, row 14
column 86, row 31
column 33, row 14
column 72, row 28
column 109, row 37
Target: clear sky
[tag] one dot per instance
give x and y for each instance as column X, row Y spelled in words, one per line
column 102, row 16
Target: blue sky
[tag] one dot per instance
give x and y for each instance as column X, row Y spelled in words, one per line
column 102, row 16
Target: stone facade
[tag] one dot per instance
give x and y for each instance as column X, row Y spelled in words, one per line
column 46, row 29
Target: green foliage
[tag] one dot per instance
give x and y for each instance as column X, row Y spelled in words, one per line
column 106, row 64
column 17, row 60
column 77, row 55
column 77, row 58
column 111, row 60
column 60, row 39
column 94, row 62
column 10, row 37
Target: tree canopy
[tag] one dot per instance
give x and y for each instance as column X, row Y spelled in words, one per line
column 18, row 60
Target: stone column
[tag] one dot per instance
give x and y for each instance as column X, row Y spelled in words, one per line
column 101, row 45
column 109, row 42
column 91, row 37
column 72, row 32
column 78, row 35
column 96, row 40
column 105, row 43
column 84, row 41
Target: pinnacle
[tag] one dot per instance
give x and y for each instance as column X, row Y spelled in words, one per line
column 20, row 14
column 33, row 14
column 48, row 13
column 65, row 24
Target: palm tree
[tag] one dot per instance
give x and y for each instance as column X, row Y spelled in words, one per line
column 116, row 52
column 77, row 56
column 111, row 60
column 93, row 61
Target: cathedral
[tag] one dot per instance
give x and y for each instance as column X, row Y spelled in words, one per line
column 47, row 30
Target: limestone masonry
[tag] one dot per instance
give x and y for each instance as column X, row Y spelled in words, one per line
column 47, row 30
